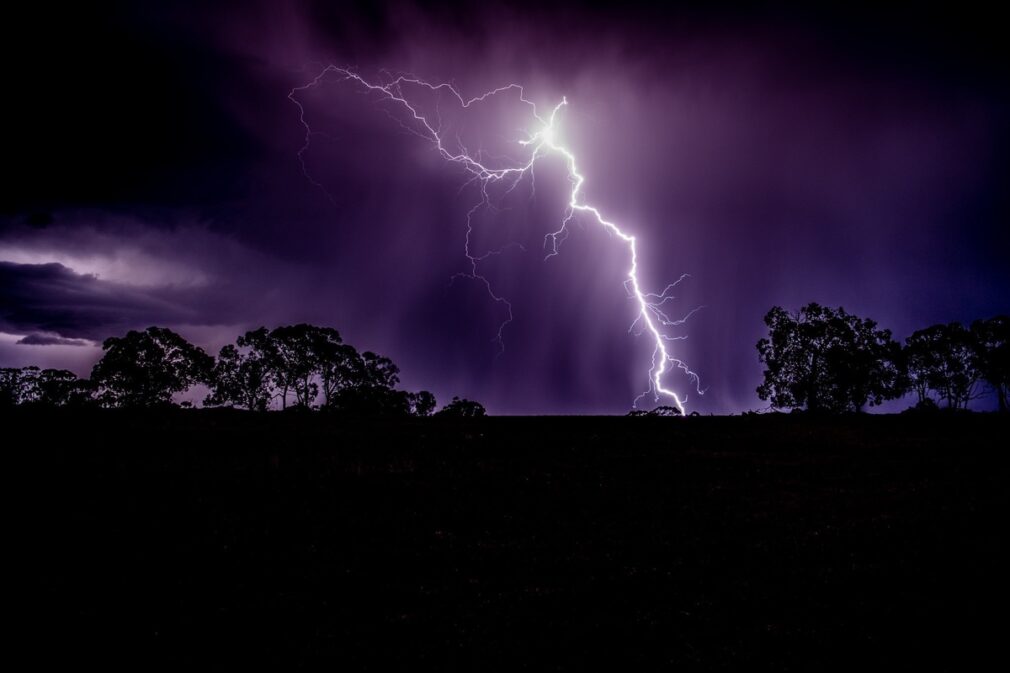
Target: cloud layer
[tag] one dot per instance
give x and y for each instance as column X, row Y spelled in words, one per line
column 779, row 158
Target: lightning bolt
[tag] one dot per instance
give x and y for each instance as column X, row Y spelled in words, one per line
column 651, row 313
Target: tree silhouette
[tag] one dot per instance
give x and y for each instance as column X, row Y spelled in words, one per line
column 364, row 385
column 143, row 369
column 240, row 379
column 62, row 388
column 917, row 363
column 338, row 364
column 45, row 387
column 370, row 402
column 9, row 386
column 462, row 408
column 943, row 359
column 379, row 371
column 18, row 386
column 306, row 359
column 992, row 341
column 825, row 359
column 293, row 362
column 818, row 358
column 146, row 368
column 422, row 403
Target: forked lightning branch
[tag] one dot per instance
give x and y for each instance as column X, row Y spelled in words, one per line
column 543, row 139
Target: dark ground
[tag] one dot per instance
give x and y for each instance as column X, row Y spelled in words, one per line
column 221, row 539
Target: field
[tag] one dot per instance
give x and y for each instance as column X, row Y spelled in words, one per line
column 220, row 539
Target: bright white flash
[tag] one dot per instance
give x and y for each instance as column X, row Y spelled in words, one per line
column 652, row 317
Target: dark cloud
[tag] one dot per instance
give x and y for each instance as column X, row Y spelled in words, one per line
column 112, row 110
column 92, row 275
column 49, row 340
column 52, row 298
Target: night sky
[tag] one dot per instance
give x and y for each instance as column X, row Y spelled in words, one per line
column 779, row 156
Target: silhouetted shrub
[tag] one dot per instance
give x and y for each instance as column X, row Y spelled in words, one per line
column 924, row 406
column 422, row 403
column 370, row 401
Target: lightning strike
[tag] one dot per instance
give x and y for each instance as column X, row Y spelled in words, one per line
column 544, row 140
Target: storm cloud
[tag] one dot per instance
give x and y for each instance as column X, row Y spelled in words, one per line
column 778, row 156
column 49, row 340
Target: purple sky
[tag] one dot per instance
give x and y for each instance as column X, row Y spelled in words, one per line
column 779, row 156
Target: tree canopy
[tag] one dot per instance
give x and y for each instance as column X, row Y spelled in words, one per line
column 46, row 387
column 462, row 408
column 992, row 343
column 818, row 359
column 146, row 368
column 944, row 359
column 826, row 359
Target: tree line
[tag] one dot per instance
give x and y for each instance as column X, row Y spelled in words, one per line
column 818, row 358
column 293, row 366
column 824, row 359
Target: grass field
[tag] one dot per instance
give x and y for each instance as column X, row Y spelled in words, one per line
column 222, row 539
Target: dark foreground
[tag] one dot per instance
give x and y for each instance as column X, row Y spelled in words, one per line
column 220, row 539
